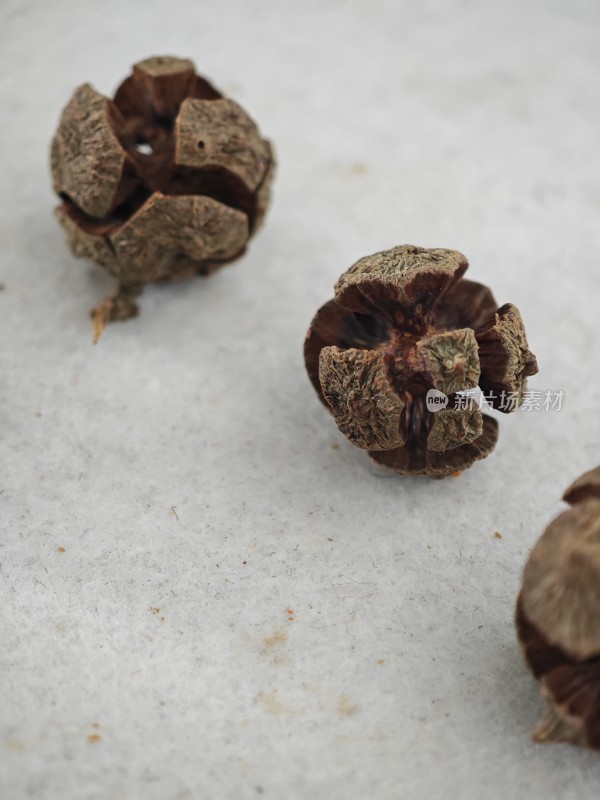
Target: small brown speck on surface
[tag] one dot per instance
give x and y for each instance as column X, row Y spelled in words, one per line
column 154, row 610
column 94, row 738
column 272, row 703
column 381, row 661
column 359, row 168
column 346, row 707
column 38, row 413
column 95, row 725
column 497, row 535
column 61, row 549
column 16, row 745
column 273, row 648
column 276, row 638
column 456, row 474
column 335, row 446
column 244, row 562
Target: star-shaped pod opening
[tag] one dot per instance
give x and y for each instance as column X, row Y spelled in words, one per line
column 168, row 148
column 424, row 327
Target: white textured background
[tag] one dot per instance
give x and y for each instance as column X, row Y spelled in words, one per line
column 186, row 465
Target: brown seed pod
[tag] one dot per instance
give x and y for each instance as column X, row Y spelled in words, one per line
column 558, row 618
column 168, row 179
column 404, row 322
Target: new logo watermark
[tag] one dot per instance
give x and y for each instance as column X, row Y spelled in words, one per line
column 436, row 400
column 534, row 400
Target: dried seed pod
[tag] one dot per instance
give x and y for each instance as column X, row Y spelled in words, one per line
column 404, row 322
column 168, row 179
column 558, row 618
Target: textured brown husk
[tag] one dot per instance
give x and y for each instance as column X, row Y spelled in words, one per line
column 187, row 206
column 402, row 322
column 558, row 618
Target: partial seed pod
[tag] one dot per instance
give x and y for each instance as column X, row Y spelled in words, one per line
column 168, row 179
column 558, row 618
column 404, row 323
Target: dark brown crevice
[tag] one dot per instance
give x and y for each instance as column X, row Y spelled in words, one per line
column 206, row 267
column 416, row 420
column 216, row 182
column 110, row 245
column 578, row 493
column 139, row 98
column 336, row 326
column 411, row 385
column 466, row 304
column 104, row 226
column 157, row 170
column 204, row 90
column 541, row 656
column 375, row 331
column 406, row 362
column 252, row 219
column 413, row 458
column 569, row 686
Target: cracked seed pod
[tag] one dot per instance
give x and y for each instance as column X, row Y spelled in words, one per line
column 404, row 322
column 558, row 618
column 168, row 179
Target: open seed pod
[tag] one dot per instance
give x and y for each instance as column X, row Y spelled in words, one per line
column 404, row 328
column 168, row 179
column 558, row 618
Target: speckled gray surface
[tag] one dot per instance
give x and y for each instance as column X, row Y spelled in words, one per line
column 198, row 488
